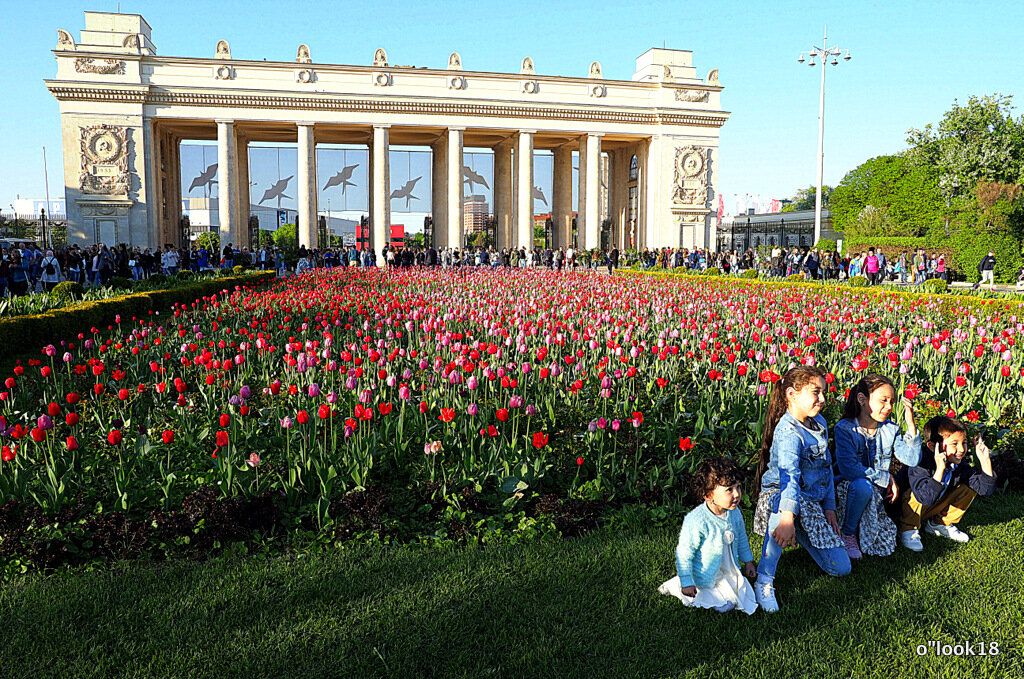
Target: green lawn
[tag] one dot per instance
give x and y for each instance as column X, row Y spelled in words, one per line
column 576, row 608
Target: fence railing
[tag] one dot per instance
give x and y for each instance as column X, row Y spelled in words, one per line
column 37, row 228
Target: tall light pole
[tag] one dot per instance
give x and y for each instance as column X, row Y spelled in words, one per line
column 822, row 53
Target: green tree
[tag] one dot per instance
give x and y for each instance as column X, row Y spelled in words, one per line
column 888, row 196
column 804, row 199
column 265, row 237
column 976, row 142
column 210, row 240
column 286, row 237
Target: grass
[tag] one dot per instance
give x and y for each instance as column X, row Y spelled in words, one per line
column 575, row 608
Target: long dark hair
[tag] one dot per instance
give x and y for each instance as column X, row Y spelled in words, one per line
column 795, row 378
column 866, row 386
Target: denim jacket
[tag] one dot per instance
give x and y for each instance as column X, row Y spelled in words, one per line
column 800, row 467
column 859, row 457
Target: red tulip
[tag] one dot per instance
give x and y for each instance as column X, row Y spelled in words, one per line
column 8, row 453
column 323, row 412
column 168, row 436
column 53, row 409
column 122, row 394
column 973, row 416
column 638, row 418
column 502, row 414
column 961, row 380
column 912, row 391
column 97, row 389
column 114, row 437
column 423, row 407
column 1005, row 371
column 540, row 439
column 38, row 434
column 224, row 419
column 72, row 443
column 579, row 461
column 685, row 444
column 384, row 408
column 302, row 417
column 72, row 398
column 222, row 439
column 447, row 414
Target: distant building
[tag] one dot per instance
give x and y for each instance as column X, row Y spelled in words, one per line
column 788, row 229
column 32, row 206
column 474, row 215
column 204, row 215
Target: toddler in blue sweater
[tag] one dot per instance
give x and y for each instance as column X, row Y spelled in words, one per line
column 713, row 545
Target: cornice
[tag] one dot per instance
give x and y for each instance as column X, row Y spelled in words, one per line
column 144, row 94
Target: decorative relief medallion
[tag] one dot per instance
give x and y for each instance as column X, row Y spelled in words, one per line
column 223, row 50
column 382, row 79
column 527, row 67
column 101, row 66
column 694, row 96
column 304, row 75
column 595, row 69
column 712, row 78
column 302, row 55
column 131, row 42
column 689, row 184
column 454, row 62
column 456, row 82
column 223, row 72
column 598, row 91
column 530, row 86
column 104, row 160
column 380, row 58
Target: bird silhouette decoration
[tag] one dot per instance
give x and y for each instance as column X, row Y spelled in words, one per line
column 406, row 191
column 277, row 191
column 470, row 177
column 342, row 178
column 539, row 195
column 205, row 178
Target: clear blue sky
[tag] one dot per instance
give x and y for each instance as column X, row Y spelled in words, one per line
column 910, row 61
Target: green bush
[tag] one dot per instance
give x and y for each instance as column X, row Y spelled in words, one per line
column 225, row 273
column 68, row 290
column 185, row 275
column 795, row 278
column 119, row 283
column 711, row 271
column 858, row 282
column 157, row 279
column 750, row 273
column 935, row 285
column 237, row 269
column 969, row 248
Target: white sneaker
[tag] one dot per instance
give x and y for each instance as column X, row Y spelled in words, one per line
column 942, row 530
column 764, row 592
column 911, row 539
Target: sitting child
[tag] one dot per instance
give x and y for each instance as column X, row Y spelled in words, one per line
column 866, row 442
column 713, row 544
column 940, row 489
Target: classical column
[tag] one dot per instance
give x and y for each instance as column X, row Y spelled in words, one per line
column 456, row 229
column 503, row 194
column 439, row 191
column 589, row 222
column 172, row 201
column 380, row 192
column 651, row 235
column 244, row 201
column 227, row 183
column 561, row 196
column 307, row 187
column 523, row 172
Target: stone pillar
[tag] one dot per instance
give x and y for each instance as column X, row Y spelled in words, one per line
column 380, row 192
column 561, row 196
column 523, row 188
column 439, row 190
column 307, row 186
column 244, row 201
column 172, row 200
column 651, row 235
column 503, row 194
column 227, row 183
column 589, row 222
column 456, row 228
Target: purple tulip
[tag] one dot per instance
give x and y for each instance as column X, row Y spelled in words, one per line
column 245, row 391
column 287, row 422
column 531, row 410
column 44, row 422
column 592, row 427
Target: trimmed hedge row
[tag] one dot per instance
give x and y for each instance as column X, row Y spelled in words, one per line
column 21, row 333
column 980, row 303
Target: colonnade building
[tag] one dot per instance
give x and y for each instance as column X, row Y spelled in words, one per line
column 125, row 111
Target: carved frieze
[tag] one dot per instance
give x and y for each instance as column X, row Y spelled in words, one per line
column 690, row 176
column 104, row 160
column 101, row 66
column 694, row 96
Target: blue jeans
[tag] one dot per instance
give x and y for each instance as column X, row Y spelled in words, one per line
column 835, row 561
column 857, row 498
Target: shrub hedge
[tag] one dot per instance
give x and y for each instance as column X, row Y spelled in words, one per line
column 31, row 332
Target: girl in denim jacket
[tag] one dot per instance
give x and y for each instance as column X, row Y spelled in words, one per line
column 797, row 504
column 713, row 544
column 866, row 442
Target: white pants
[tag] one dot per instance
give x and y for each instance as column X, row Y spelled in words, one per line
column 986, row 277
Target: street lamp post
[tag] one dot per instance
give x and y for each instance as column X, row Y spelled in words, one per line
column 823, row 53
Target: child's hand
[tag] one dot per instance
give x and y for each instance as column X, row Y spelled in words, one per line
column 892, row 493
column 690, row 591
column 908, row 416
column 981, row 449
column 785, row 533
column 749, row 570
column 830, row 516
column 940, row 456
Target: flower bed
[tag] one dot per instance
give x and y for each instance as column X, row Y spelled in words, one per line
column 451, row 405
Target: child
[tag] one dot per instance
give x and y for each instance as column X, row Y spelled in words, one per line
column 713, row 543
column 797, row 503
column 942, row 487
column 866, row 440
